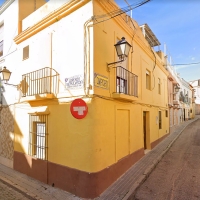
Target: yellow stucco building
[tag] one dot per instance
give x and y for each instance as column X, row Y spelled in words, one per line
column 64, row 55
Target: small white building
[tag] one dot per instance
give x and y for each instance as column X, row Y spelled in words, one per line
column 8, row 53
column 184, row 98
column 180, row 101
column 12, row 13
column 196, row 86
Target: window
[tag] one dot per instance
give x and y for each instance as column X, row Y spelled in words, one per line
column 121, row 85
column 126, row 82
column 148, row 80
column 174, row 96
column 159, row 87
column 38, row 132
column 1, row 48
column 166, row 113
column 199, row 82
column 187, row 98
column 160, row 119
column 1, row 39
column 25, row 52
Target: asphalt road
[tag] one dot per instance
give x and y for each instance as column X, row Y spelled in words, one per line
column 9, row 192
column 177, row 175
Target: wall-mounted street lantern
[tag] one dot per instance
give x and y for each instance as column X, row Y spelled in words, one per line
column 5, row 74
column 122, row 48
column 177, row 88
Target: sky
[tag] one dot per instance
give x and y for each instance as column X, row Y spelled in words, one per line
column 1, row 2
column 175, row 23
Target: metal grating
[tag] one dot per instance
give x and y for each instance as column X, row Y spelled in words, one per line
column 149, row 35
column 42, row 81
column 126, row 82
column 38, row 136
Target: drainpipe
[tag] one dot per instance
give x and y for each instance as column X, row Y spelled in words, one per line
column 51, row 36
column 0, row 103
column 87, row 56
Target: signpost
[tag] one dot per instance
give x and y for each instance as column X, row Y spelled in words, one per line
column 79, row 108
column 101, row 81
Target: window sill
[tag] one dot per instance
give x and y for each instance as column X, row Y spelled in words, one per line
column 37, row 97
column 25, row 58
column 124, row 97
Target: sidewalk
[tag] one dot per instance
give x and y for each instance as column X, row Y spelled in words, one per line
column 124, row 188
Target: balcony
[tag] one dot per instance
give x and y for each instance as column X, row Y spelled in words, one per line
column 126, row 84
column 40, row 84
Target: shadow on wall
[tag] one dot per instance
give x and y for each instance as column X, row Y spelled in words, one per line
column 6, row 131
column 8, row 125
column 33, row 161
column 197, row 109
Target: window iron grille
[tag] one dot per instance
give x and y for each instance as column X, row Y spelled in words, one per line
column 38, row 136
column 160, row 119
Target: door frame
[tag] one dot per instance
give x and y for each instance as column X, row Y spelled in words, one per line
column 146, row 130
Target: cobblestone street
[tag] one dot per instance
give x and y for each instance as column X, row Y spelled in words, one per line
column 177, row 175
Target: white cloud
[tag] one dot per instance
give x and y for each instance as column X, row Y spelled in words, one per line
column 182, row 66
column 186, row 66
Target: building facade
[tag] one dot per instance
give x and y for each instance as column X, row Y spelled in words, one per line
column 173, row 95
column 81, row 117
column 185, row 97
column 192, row 104
column 9, row 28
column 196, row 86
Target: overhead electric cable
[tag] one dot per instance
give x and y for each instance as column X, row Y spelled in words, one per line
column 129, row 6
column 187, row 63
column 120, row 11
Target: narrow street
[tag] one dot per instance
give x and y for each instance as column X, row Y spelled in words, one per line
column 177, row 176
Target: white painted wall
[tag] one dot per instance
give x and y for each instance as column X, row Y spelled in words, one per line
column 197, row 91
column 10, row 19
column 186, row 90
column 64, row 40
column 42, row 12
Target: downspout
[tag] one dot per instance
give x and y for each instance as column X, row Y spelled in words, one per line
column 51, row 36
column 51, row 86
column 0, row 101
column 87, row 56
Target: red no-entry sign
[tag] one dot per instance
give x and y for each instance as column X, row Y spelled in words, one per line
column 79, row 108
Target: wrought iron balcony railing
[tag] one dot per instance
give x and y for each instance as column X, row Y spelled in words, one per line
column 126, row 82
column 42, row 81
